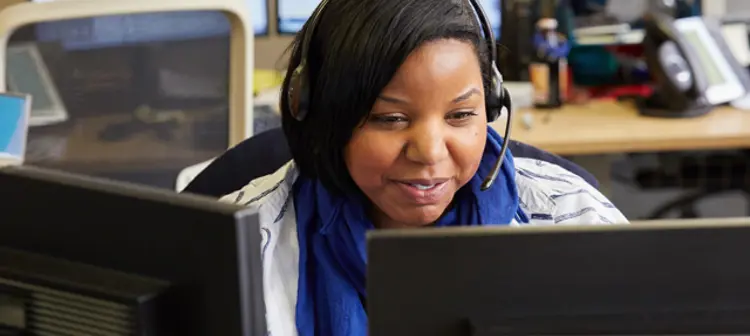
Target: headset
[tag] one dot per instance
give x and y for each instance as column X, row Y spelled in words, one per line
column 298, row 89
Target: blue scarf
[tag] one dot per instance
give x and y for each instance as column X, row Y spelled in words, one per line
column 331, row 233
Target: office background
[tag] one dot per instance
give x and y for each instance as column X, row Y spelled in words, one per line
column 269, row 49
column 143, row 102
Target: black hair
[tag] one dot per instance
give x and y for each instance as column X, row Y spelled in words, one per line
column 355, row 50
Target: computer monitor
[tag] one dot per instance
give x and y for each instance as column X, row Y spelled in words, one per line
column 292, row 14
column 259, row 12
column 493, row 10
column 86, row 256
column 119, row 30
column 14, row 127
column 660, row 278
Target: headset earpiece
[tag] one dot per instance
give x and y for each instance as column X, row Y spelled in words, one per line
column 498, row 95
column 298, row 93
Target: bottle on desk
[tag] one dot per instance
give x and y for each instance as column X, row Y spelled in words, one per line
column 548, row 69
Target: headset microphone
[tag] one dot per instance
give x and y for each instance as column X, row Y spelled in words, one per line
column 490, row 179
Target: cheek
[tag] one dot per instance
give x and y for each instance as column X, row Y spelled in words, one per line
column 467, row 152
column 369, row 156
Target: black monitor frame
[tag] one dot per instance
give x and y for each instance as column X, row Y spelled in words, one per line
column 208, row 252
column 660, row 278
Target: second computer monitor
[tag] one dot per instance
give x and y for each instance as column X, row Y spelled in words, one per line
column 120, row 29
column 85, row 256
column 651, row 278
column 292, row 14
column 259, row 13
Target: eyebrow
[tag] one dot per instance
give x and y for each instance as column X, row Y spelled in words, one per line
column 464, row 96
column 392, row 99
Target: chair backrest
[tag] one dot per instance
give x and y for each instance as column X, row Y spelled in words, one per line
column 268, row 151
column 522, row 150
column 187, row 175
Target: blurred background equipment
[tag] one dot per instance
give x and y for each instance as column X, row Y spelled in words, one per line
column 15, row 110
column 134, row 97
column 692, row 66
column 141, row 97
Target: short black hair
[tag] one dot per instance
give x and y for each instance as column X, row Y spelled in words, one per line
column 355, row 50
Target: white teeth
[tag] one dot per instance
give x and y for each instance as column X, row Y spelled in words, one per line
column 422, row 186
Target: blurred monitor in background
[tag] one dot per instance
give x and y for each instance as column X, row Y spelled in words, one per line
column 292, row 14
column 145, row 95
column 118, row 29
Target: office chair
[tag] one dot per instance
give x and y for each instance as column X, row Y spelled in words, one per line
column 268, row 151
column 702, row 174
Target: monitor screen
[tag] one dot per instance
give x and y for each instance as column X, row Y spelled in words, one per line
column 292, row 14
column 115, row 30
column 13, row 126
column 259, row 13
column 492, row 9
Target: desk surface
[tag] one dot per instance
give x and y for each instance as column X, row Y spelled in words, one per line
column 80, row 148
column 607, row 127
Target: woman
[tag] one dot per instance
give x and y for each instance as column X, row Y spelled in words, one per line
column 395, row 136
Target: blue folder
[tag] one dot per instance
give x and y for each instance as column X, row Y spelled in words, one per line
column 13, row 125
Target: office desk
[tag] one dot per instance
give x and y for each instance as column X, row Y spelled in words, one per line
column 79, row 147
column 608, row 127
column 595, row 131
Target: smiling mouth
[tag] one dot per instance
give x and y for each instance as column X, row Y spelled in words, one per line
column 423, row 187
column 423, row 184
column 424, row 192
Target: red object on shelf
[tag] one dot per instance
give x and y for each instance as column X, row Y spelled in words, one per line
column 634, row 50
column 613, row 92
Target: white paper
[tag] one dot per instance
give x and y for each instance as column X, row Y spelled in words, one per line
column 737, row 39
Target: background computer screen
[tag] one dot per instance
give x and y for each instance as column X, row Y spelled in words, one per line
column 292, row 14
column 13, row 126
column 492, row 9
column 259, row 13
column 118, row 30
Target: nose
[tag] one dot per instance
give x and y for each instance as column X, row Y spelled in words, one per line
column 427, row 144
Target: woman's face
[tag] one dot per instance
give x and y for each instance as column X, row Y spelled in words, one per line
column 424, row 138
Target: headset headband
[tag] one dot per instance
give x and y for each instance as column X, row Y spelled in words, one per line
column 484, row 24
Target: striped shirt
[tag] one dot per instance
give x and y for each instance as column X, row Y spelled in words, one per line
column 548, row 194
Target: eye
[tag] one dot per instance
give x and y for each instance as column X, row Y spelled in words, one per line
column 462, row 115
column 388, row 119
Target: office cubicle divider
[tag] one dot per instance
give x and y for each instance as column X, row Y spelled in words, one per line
column 241, row 40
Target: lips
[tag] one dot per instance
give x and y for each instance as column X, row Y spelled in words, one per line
column 423, row 191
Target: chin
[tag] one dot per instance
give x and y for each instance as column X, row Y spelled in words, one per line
column 421, row 216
